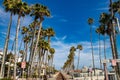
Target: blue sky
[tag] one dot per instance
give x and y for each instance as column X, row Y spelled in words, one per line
column 69, row 20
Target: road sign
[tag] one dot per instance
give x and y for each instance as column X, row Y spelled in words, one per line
column 113, row 61
column 110, row 60
column 23, row 64
column 118, row 60
column 106, row 61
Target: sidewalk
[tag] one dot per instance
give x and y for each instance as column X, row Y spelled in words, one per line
column 68, row 77
column 53, row 76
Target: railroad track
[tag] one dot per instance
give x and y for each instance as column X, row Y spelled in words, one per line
column 60, row 77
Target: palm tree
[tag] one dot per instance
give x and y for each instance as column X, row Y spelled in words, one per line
column 105, row 21
column 52, row 51
column 115, row 7
column 99, row 31
column 22, row 10
column 90, row 22
column 33, row 29
column 39, row 11
column 72, row 53
column 9, row 58
column 9, row 7
column 49, row 60
column 49, row 33
column 80, row 48
column 26, row 38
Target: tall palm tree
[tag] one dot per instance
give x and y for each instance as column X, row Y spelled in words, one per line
column 90, row 22
column 72, row 52
column 49, row 60
column 104, row 21
column 22, row 10
column 49, row 33
column 80, row 48
column 39, row 11
column 98, row 31
column 26, row 41
column 26, row 38
column 9, row 7
column 52, row 51
column 115, row 7
column 10, row 56
column 33, row 29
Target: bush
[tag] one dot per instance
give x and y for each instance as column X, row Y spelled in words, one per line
column 6, row 79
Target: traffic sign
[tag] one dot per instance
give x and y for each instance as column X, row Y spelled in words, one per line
column 105, row 61
column 23, row 64
column 113, row 61
column 118, row 60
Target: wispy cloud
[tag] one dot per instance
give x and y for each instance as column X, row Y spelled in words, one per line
column 63, row 20
column 12, row 37
column 4, row 33
column 62, row 51
column 59, row 18
column 94, row 26
column 60, row 38
column 3, row 17
column 64, row 37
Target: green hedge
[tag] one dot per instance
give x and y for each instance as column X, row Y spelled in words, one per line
column 6, row 79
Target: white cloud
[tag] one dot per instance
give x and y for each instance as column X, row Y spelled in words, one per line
column 94, row 26
column 62, row 51
column 63, row 20
column 61, row 38
column 3, row 16
column 4, row 20
column 64, row 37
column 12, row 37
column 4, row 33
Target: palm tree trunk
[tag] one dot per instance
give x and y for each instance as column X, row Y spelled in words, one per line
column 26, row 50
column 114, row 55
column 20, row 48
column 6, row 47
column 38, row 37
column 100, row 52
column 92, row 49
column 16, row 45
column 31, row 51
column 105, row 46
column 52, row 63
column 46, row 61
column 39, row 62
column 112, row 47
column 32, row 45
column 8, row 73
column 114, row 42
column 78, row 60
column 104, row 64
